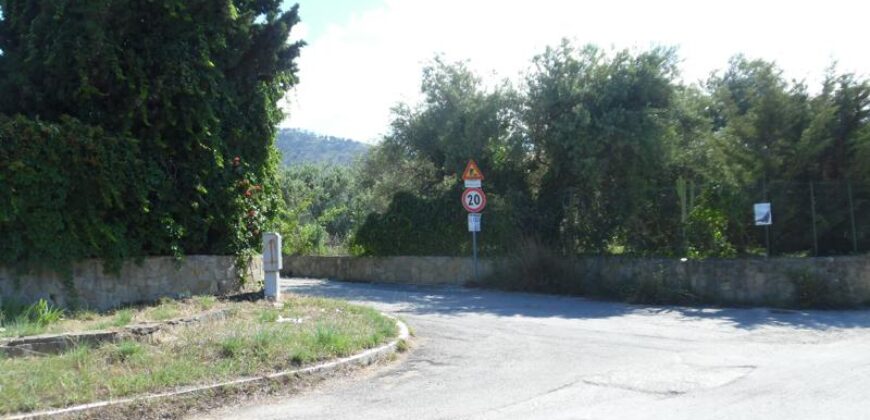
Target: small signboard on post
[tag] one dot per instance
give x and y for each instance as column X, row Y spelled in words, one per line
column 763, row 214
column 474, row 222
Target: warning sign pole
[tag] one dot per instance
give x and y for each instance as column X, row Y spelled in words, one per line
column 474, row 201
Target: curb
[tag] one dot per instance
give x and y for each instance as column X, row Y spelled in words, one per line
column 364, row 358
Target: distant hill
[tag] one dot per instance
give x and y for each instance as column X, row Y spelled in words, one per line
column 300, row 146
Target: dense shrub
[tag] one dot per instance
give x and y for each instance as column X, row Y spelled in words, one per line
column 414, row 225
column 139, row 128
column 70, row 191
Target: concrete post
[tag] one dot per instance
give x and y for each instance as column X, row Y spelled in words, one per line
column 272, row 265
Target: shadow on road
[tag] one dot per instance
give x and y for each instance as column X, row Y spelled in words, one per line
column 427, row 300
column 749, row 318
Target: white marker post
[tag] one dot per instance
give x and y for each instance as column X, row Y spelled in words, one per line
column 272, row 265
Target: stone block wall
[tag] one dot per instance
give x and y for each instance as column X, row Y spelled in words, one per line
column 154, row 278
column 756, row 281
column 407, row 270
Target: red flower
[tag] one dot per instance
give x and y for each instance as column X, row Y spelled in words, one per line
column 248, row 193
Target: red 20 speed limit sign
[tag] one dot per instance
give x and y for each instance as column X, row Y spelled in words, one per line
column 474, row 200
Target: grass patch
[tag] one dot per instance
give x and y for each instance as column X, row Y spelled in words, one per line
column 126, row 350
column 167, row 309
column 268, row 315
column 17, row 320
column 41, row 318
column 402, row 346
column 205, row 302
column 239, row 346
column 122, row 318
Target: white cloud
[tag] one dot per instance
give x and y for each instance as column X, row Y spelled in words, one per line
column 353, row 74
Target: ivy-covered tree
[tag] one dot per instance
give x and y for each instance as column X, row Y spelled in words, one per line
column 191, row 85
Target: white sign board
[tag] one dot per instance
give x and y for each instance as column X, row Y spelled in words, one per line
column 474, row 222
column 272, row 260
column 763, row 214
column 473, row 183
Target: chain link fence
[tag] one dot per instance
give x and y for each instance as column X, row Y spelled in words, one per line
column 808, row 219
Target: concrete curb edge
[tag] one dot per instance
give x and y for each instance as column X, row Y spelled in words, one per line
column 363, row 358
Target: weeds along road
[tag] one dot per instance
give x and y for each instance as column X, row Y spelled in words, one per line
column 490, row 355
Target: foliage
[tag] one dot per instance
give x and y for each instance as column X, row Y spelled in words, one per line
column 72, row 192
column 322, row 207
column 598, row 123
column 606, row 152
column 132, row 109
column 413, row 174
column 42, row 313
column 413, row 225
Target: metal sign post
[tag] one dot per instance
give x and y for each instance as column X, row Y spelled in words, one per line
column 474, row 221
column 474, row 201
column 474, row 256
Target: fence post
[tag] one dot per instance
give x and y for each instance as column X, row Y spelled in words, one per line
column 813, row 211
column 852, row 218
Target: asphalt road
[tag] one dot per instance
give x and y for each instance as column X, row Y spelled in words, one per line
column 490, row 355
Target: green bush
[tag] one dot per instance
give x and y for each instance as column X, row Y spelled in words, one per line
column 132, row 128
column 707, row 234
column 28, row 319
column 414, row 225
column 73, row 192
column 43, row 314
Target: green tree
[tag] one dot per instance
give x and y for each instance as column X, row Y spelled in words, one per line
column 324, row 206
column 599, row 125
column 427, row 149
column 192, row 84
column 758, row 119
column 838, row 129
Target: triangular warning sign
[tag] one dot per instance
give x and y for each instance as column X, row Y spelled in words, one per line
column 472, row 172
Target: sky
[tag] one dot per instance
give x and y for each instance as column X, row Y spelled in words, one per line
column 365, row 56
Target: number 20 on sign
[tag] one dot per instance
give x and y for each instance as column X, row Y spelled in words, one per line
column 474, row 200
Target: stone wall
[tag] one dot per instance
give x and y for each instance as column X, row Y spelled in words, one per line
column 154, row 278
column 407, row 270
column 774, row 281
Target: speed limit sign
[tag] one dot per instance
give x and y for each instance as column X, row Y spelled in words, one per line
column 474, row 200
